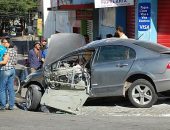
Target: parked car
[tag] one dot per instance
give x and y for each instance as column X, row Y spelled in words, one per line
column 110, row 67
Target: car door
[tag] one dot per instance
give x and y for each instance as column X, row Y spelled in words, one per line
column 109, row 68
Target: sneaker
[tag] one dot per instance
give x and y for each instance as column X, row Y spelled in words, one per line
column 2, row 109
column 10, row 108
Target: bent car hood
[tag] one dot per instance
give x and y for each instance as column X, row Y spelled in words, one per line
column 61, row 44
column 66, row 100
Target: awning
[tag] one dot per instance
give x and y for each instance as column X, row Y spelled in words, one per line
column 112, row 3
column 72, row 7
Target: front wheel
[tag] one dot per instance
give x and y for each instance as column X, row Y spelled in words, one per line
column 142, row 94
column 33, row 97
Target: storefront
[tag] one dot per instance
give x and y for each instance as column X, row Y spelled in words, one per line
column 151, row 21
column 141, row 19
column 74, row 16
column 115, row 13
column 144, row 20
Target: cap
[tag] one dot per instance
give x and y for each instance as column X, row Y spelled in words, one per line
column 44, row 40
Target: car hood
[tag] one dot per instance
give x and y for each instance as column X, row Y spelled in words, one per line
column 61, row 44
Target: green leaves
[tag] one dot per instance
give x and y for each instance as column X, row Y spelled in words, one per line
column 17, row 6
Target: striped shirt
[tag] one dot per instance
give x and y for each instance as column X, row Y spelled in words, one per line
column 12, row 60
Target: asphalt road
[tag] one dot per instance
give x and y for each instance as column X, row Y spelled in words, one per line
column 102, row 114
column 24, row 120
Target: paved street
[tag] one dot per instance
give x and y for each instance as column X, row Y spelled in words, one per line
column 25, row 120
column 122, row 107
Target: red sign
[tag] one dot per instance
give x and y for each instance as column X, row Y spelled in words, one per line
column 84, row 14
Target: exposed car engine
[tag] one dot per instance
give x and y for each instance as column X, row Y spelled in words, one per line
column 75, row 77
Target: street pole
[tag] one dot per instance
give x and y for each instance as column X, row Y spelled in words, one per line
column 29, row 38
column 28, row 43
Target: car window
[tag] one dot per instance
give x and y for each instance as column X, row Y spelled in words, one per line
column 54, row 66
column 82, row 58
column 115, row 53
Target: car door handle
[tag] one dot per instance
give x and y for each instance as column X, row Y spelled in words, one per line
column 121, row 65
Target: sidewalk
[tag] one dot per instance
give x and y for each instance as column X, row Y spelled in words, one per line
column 25, row 38
column 124, row 108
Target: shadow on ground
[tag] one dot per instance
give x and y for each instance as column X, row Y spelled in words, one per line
column 120, row 101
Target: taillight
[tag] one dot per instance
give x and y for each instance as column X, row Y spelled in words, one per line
column 168, row 66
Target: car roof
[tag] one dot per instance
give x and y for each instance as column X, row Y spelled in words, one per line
column 153, row 46
column 110, row 41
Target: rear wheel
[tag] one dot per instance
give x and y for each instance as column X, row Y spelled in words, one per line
column 142, row 93
column 33, row 97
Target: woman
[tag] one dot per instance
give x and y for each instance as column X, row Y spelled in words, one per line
column 7, row 74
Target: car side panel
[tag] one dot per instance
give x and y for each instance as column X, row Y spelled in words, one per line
column 107, row 79
column 35, row 77
column 155, row 68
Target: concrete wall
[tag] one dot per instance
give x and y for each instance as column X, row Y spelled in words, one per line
column 48, row 20
column 62, row 23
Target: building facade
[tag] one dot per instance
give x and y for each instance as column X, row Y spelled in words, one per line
column 143, row 20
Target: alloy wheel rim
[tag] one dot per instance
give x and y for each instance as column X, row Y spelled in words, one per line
column 29, row 98
column 142, row 94
column 16, row 85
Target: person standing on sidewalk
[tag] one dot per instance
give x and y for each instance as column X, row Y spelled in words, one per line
column 35, row 57
column 7, row 74
column 120, row 32
column 44, row 49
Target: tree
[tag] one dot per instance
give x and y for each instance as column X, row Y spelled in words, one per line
column 16, row 7
column 12, row 9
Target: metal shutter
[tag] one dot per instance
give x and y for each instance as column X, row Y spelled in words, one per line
column 163, row 22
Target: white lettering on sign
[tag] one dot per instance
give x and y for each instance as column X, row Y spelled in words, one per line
column 141, row 20
column 144, row 26
column 144, row 14
column 112, row 3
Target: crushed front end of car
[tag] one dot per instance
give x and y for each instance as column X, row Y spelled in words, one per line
column 68, row 85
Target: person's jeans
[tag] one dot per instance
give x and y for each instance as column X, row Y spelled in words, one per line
column 7, row 87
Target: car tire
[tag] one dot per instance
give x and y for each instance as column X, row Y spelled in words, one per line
column 142, row 94
column 33, row 97
column 16, row 84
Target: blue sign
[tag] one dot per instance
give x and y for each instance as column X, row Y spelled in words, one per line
column 144, row 16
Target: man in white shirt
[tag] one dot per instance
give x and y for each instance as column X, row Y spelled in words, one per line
column 120, row 32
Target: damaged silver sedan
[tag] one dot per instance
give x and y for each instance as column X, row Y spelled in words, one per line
column 105, row 68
